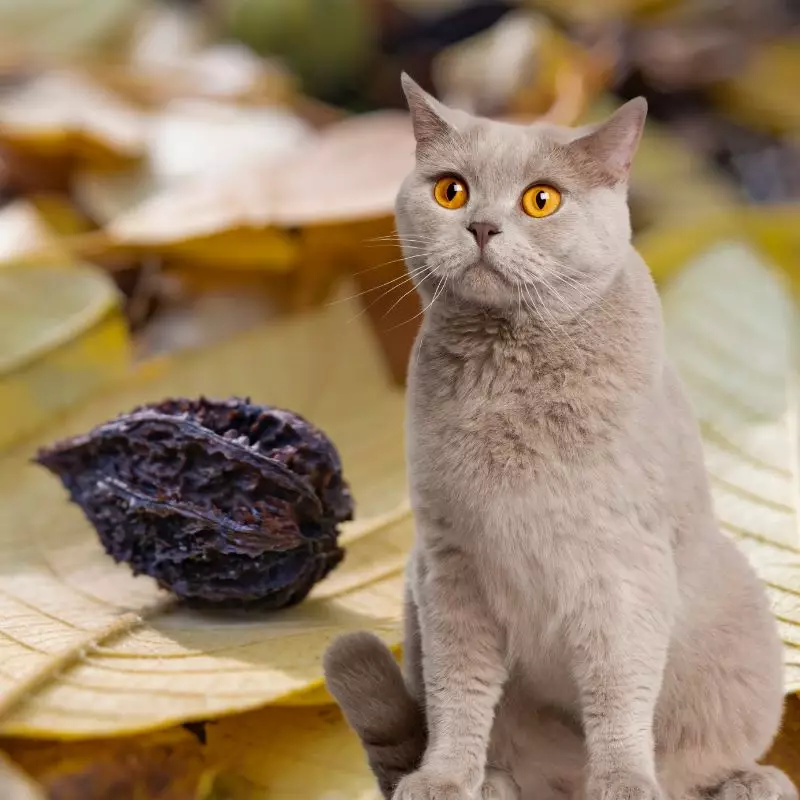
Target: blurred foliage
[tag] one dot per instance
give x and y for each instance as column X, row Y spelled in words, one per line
column 325, row 42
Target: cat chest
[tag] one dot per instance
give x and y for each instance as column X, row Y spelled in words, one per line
column 530, row 603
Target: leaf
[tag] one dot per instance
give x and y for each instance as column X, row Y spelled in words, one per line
column 62, row 337
column 731, row 328
column 270, row 753
column 349, row 173
column 63, row 29
column 65, row 115
column 15, row 785
column 86, row 649
column 23, row 231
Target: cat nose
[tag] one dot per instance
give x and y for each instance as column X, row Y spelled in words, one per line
column 483, row 231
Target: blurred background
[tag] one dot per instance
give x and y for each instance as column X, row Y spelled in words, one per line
column 175, row 174
column 221, row 162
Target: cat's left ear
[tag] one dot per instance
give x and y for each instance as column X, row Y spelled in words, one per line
column 428, row 115
column 613, row 143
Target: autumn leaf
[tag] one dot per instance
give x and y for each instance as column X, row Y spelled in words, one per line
column 349, row 173
column 65, row 115
column 731, row 326
column 62, row 337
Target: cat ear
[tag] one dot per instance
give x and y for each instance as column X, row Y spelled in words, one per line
column 428, row 115
column 613, row 143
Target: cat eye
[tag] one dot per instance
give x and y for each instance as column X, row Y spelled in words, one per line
column 541, row 200
column 450, row 192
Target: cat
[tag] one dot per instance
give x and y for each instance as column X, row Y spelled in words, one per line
column 576, row 625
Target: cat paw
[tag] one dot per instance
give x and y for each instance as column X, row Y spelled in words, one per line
column 499, row 785
column 624, row 786
column 426, row 786
column 759, row 783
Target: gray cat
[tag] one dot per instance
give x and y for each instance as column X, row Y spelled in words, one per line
column 576, row 623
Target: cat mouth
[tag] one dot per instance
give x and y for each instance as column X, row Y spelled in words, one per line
column 484, row 269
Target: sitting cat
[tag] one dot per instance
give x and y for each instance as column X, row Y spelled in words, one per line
column 576, row 623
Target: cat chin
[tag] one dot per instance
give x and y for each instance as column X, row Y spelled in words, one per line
column 484, row 284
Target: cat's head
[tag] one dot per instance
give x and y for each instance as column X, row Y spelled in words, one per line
column 516, row 215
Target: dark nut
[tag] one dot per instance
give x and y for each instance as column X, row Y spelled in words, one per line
column 223, row 503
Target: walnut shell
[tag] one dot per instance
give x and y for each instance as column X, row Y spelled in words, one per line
column 224, row 503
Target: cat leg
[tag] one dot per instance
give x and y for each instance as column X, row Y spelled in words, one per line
column 618, row 630
column 464, row 674
column 384, row 706
column 722, row 697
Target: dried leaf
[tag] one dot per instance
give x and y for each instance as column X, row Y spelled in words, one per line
column 65, row 115
column 732, row 328
column 63, row 29
column 271, row 753
column 23, row 231
column 60, row 594
column 191, row 138
column 15, row 785
column 62, row 337
column 351, row 172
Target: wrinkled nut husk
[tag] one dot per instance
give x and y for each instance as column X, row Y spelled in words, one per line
column 223, row 503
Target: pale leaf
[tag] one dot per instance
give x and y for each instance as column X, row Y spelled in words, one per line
column 63, row 113
column 62, row 336
column 731, row 328
column 350, row 172
column 23, row 231
column 60, row 594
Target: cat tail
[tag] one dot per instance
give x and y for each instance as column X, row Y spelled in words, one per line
column 368, row 685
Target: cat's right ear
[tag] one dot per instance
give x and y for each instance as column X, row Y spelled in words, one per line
column 428, row 115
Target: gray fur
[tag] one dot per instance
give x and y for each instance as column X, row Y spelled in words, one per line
column 576, row 623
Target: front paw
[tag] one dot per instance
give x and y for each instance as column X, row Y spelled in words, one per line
column 623, row 786
column 427, row 786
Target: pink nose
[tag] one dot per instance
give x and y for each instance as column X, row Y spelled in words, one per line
column 483, row 231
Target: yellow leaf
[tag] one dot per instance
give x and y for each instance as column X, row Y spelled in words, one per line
column 62, row 337
column 60, row 595
column 593, row 12
column 307, row 754
column 763, row 95
column 166, row 765
column 732, row 328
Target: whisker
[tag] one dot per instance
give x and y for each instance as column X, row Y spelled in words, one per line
column 436, row 294
column 387, row 292
column 390, row 284
column 389, row 263
column 400, row 299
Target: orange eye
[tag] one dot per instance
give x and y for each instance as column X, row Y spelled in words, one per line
column 541, row 200
column 450, row 192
